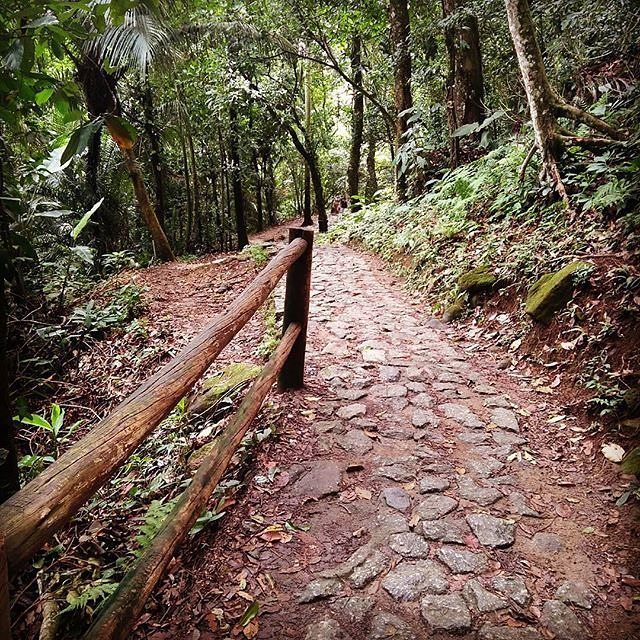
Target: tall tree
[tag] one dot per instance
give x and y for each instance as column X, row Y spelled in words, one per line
column 357, row 125
column 236, row 179
column 308, row 141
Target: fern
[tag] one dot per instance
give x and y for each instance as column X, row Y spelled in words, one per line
column 93, row 594
column 153, row 519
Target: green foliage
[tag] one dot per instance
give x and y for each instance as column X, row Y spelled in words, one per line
column 257, row 253
column 271, row 336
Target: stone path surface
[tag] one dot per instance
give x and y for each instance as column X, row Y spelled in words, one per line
column 416, row 486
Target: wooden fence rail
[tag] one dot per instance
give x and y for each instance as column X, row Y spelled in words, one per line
column 34, row 514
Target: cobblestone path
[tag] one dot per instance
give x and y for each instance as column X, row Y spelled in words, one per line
column 425, row 518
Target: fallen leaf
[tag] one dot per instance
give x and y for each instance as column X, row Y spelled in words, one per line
column 613, row 452
column 363, row 493
column 564, row 510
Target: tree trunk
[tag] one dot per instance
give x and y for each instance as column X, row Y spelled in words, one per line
column 236, row 178
column 399, row 34
column 448, row 6
column 187, row 182
column 162, row 247
column 371, row 186
column 269, row 188
column 258, row 190
column 308, row 219
column 196, row 230
column 357, row 126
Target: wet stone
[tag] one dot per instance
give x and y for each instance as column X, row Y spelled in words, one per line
column 321, row 480
column 445, row 530
column 389, row 374
column 481, row 600
column 513, row 587
column 446, row 612
column 371, row 568
column 546, row 543
column 351, row 394
column 491, row 531
column 577, row 593
column 422, row 400
column 435, row 506
column 423, row 417
column 432, row 483
column 505, row 419
column 388, row 390
column 484, row 467
column 470, row 490
column 396, row 498
column 561, row 621
column 409, row 545
column 355, row 441
column 410, row 580
column 399, row 472
column 320, row 589
column 461, row 560
column 490, row 632
column 353, row 608
column 327, row 629
column 462, row 415
column 351, row 411
column 386, row 626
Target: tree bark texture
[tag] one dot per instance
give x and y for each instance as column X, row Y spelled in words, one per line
column 400, row 32
column 30, row 517
column 371, row 186
column 125, row 606
column 236, row 180
column 5, row 600
column 357, row 125
column 308, row 140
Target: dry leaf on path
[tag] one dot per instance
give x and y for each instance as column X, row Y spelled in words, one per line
column 613, row 452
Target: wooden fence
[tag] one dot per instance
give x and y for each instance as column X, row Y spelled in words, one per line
column 43, row 507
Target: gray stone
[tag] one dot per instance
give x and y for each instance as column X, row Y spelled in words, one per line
column 416, row 387
column 497, row 401
column 325, row 426
column 351, row 394
column 389, row 374
column 371, row 568
column 388, row 390
column 396, row 498
column 445, row 530
column 561, row 621
column 374, row 355
column 577, row 593
column 462, row 415
column 435, row 506
column 319, row 589
column 334, row 371
column 446, row 612
column 448, row 376
column 388, row 523
column 472, row 437
column 386, row 626
column 484, row 467
column 490, row 632
column 518, row 504
column 395, row 405
column 470, row 490
column 484, row 389
column 423, row 417
column 422, row 400
column 364, row 423
column 327, row 629
column 507, row 438
column 398, row 471
column 355, row 441
column 461, row 560
column 505, row 419
column 512, row 587
column 351, row 411
column 409, row 580
column 409, row 545
column 437, row 467
column 336, row 349
column 321, row 480
column 479, row 599
column 354, row 608
column 492, row 531
column 431, row 483
column 547, row 543
column 414, row 373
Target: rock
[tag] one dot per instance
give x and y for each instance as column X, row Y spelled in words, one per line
column 422, row 418
column 398, row 471
column 577, row 593
column 445, row 530
column 484, row 467
column 470, row 490
column 409, row 580
column 386, row 626
column 388, row 390
column 518, row 504
column 389, row 374
column 325, row 426
column 396, row 498
column 388, row 523
column 327, row 629
column 505, row 419
column 462, row 415
column 512, row 587
column 374, row 355
column 437, row 467
column 431, row 483
column 491, row 531
column 355, row 441
column 409, row 545
column 547, row 543
column 552, row 291
column 351, row 394
column 319, row 589
column 472, row 437
column 476, row 281
column 336, row 349
column 422, row 400
column 416, row 387
column 446, row 612
column 353, row 608
column 561, row 621
column 490, row 632
column 502, row 438
column 479, row 599
column 454, row 310
column 462, row 561
column 351, row 411
column 499, row 401
column 334, row 371
column 436, row 506
column 371, row 568
column 322, row 479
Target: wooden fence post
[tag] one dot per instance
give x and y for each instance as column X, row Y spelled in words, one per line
column 296, row 309
column 5, row 616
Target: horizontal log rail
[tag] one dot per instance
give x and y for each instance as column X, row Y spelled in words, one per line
column 34, row 514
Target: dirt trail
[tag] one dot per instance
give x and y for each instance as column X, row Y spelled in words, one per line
column 411, row 493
